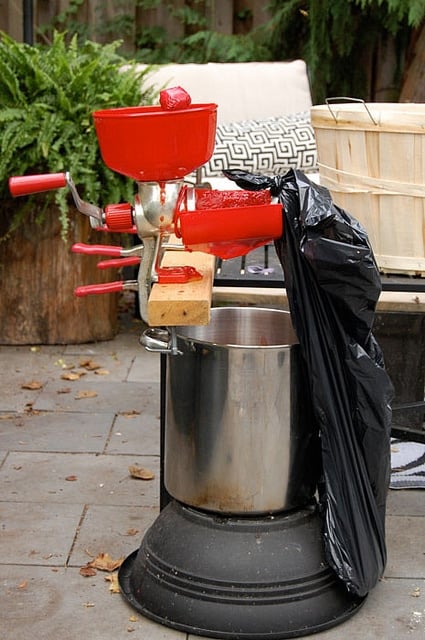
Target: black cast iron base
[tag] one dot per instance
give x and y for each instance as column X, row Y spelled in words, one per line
column 233, row 577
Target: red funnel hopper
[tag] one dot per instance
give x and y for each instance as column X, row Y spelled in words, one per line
column 153, row 144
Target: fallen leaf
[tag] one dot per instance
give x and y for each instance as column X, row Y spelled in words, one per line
column 34, row 349
column 132, row 532
column 130, row 414
column 416, row 592
column 63, row 365
column 133, row 619
column 32, row 386
column 140, row 473
column 104, row 562
column 64, row 390
column 88, row 393
column 88, row 605
column 87, row 571
column 102, row 372
column 90, row 365
column 114, row 586
column 71, row 478
column 17, row 467
column 23, row 585
column 73, row 375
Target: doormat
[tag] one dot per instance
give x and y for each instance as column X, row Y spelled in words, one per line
column 407, row 465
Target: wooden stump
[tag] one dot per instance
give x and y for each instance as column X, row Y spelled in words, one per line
column 38, row 275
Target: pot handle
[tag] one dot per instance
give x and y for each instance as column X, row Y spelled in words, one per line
column 160, row 341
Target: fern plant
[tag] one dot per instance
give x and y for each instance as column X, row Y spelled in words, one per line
column 47, row 96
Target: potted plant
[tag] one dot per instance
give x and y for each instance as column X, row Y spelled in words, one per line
column 47, row 96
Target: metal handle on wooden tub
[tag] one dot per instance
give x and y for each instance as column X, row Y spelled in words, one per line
column 346, row 99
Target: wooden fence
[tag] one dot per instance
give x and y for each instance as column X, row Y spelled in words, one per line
column 224, row 16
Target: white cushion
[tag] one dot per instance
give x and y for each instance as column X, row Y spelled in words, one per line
column 242, row 90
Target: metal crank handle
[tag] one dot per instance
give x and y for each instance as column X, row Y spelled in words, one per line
column 25, row 185
column 106, row 287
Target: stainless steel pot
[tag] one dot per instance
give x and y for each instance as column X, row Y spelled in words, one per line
column 239, row 434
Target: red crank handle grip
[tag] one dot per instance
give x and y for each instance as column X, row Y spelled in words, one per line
column 106, row 287
column 25, row 185
column 96, row 249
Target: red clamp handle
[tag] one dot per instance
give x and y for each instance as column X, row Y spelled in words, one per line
column 119, row 262
column 25, row 185
column 106, row 287
column 96, row 249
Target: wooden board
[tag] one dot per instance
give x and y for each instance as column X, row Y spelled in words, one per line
column 183, row 304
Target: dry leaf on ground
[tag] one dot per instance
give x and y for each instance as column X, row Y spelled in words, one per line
column 87, row 571
column 130, row 414
column 73, row 375
column 114, row 586
column 87, row 393
column 102, row 372
column 90, row 365
column 140, row 473
column 71, row 478
column 32, row 386
column 104, row 562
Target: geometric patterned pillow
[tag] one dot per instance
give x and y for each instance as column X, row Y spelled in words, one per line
column 270, row 146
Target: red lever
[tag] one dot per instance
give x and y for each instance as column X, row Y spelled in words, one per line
column 119, row 262
column 106, row 287
column 96, row 249
column 25, row 185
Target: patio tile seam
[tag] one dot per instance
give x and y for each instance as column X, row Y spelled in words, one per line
column 76, row 534
column 109, row 435
column 109, row 504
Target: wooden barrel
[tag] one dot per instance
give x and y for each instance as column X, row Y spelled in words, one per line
column 372, row 159
column 38, row 275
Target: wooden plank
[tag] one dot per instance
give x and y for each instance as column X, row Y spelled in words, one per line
column 183, row 304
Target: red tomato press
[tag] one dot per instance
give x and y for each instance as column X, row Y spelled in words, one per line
column 237, row 549
column 158, row 146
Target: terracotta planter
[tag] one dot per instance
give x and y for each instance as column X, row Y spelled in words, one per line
column 38, row 275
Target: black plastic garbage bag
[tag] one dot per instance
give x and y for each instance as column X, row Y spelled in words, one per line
column 333, row 285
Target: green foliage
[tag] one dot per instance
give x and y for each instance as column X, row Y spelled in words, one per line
column 47, row 96
column 396, row 11
column 339, row 38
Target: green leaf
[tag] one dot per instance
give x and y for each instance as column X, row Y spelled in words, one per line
column 47, row 97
